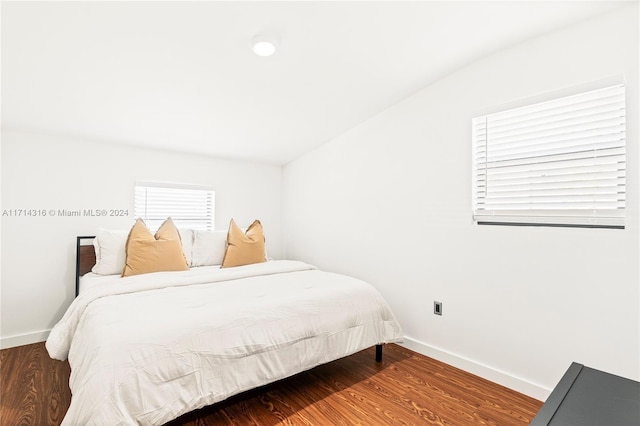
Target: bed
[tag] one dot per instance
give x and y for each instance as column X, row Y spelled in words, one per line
column 147, row 348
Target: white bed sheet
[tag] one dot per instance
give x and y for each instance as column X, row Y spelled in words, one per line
column 149, row 348
column 91, row 280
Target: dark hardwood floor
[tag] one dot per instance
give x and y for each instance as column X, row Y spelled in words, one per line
column 34, row 389
column 405, row 389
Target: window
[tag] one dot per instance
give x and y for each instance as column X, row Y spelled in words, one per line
column 559, row 162
column 189, row 206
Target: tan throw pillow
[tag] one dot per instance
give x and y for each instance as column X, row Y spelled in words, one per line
column 244, row 248
column 148, row 253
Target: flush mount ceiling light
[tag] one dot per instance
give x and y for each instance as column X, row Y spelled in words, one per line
column 263, row 46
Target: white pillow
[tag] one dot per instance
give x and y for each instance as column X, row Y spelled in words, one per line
column 110, row 254
column 208, row 247
column 186, row 237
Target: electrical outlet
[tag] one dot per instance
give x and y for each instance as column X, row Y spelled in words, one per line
column 437, row 308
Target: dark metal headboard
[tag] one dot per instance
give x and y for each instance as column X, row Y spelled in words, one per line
column 85, row 258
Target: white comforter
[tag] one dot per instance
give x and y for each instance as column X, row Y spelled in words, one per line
column 148, row 348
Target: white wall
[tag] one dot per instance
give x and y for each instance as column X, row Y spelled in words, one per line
column 46, row 172
column 390, row 202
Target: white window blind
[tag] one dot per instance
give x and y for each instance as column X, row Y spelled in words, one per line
column 188, row 206
column 556, row 162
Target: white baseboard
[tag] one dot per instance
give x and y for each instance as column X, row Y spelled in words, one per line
column 497, row 376
column 23, row 339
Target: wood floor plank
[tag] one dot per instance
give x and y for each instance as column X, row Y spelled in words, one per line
column 406, row 388
column 34, row 387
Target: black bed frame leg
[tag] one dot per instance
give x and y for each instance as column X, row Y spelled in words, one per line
column 378, row 353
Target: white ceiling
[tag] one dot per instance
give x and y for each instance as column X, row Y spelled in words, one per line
column 181, row 75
